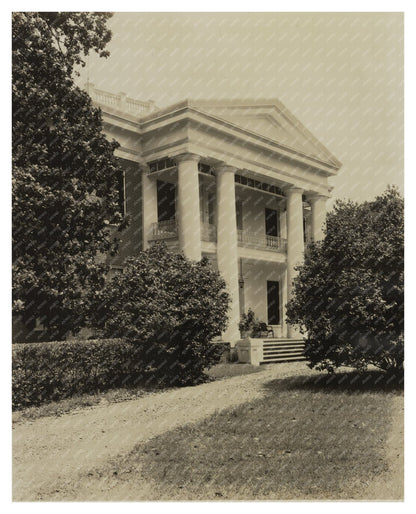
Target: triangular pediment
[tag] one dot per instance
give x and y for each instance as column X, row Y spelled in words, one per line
column 271, row 120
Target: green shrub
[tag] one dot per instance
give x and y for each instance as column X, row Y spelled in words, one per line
column 43, row 372
column 349, row 295
column 171, row 308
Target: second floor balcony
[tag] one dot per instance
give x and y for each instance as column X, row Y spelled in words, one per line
column 168, row 230
column 261, row 241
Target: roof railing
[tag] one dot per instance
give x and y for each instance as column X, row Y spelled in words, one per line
column 120, row 101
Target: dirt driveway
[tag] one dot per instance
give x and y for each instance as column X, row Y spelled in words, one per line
column 52, row 451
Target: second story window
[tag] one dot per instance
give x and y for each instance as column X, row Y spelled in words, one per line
column 121, row 192
column 211, row 208
column 166, row 201
column 239, row 214
column 272, row 225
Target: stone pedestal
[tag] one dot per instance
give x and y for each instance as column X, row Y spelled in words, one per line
column 250, row 351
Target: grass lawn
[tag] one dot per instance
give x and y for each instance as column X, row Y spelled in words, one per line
column 308, row 438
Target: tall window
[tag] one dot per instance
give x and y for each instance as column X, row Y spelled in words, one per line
column 121, row 192
column 211, row 208
column 166, row 200
column 272, row 225
column 239, row 214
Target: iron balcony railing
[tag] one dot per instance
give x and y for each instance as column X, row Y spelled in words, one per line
column 165, row 230
column 169, row 230
column 261, row 241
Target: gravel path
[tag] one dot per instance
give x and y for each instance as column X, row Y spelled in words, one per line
column 53, row 450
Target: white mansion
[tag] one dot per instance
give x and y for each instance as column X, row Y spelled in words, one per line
column 240, row 182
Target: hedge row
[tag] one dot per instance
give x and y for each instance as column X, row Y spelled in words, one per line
column 44, row 372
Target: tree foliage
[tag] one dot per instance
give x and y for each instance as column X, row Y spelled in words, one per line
column 64, row 170
column 349, row 294
column 169, row 306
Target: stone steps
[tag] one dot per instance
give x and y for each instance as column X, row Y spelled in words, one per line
column 281, row 350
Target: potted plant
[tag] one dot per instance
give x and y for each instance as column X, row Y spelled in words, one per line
column 250, row 326
column 246, row 324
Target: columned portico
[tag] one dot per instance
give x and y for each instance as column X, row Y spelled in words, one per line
column 227, row 255
column 295, row 244
column 188, row 212
column 318, row 212
column 194, row 205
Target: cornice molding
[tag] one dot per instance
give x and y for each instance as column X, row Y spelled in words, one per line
column 189, row 114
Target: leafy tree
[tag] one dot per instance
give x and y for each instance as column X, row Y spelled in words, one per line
column 169, row 306
column 349, row 294
column 64, row 171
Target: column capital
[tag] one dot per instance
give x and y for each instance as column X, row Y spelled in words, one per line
column 225, row 168
column 144, row 167
column 292, row 190
column 186, row 157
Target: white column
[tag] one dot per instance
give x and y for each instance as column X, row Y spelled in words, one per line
column 149, row 212
column 188, row 212
column 227, row 254
column 283, row 281
column 318, row 212
column 295, row 245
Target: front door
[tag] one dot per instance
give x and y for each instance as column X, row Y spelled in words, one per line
column 273, row 303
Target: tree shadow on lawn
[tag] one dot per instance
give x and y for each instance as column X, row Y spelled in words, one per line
column 341, row 382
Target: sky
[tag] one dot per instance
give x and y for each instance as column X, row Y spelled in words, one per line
column 340, row 74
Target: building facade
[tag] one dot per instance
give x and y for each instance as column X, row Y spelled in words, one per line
column 240, row 182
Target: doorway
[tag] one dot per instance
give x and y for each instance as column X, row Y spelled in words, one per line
column 273, row 303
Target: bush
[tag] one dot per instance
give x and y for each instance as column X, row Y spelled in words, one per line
column 349, row 295
column 171, row 309
column 43, row 372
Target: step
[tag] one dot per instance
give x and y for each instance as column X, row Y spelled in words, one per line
column 283, row 350
column 281, row 339
column 283, row 359
column 273, row 346
column 299, row 351
column 275, row 343
column 284, row 356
